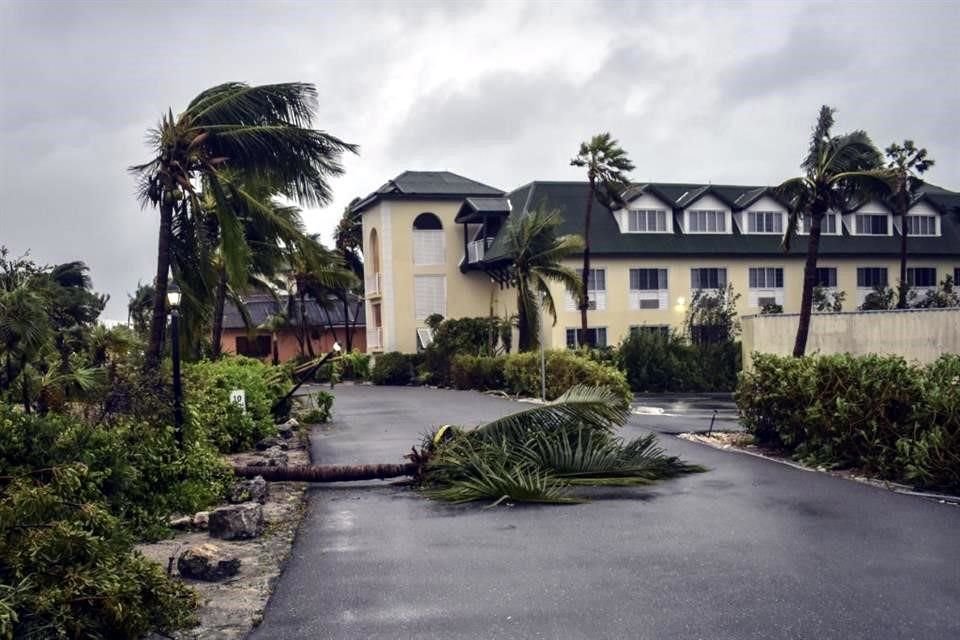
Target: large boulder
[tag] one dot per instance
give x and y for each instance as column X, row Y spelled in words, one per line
column 272, row 457
column 272, row 441
column 248, row 490
column 207, row 562
column 236, row 522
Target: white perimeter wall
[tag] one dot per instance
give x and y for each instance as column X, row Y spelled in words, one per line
column 921, row 335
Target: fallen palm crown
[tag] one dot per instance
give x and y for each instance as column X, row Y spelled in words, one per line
column 538, row 455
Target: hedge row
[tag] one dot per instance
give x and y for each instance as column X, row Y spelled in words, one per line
column 877, row 413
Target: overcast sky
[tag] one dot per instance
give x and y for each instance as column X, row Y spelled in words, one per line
column 502, row 92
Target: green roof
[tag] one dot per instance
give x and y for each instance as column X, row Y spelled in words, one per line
column 606, row 239
column 433, row 185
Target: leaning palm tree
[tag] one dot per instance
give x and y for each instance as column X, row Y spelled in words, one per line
column 348, row 243
column 227, row 135
column 607, row 165
column 542, row 454
column 536, row 253
column 907, row 163
column 839, row 172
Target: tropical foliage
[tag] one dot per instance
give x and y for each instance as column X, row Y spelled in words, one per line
column 607, row 166
column 543, row 454
column 537, row 254
column 840, row 172
column 907, row 163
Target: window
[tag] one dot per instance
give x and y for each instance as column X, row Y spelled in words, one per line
column 706, row 221
column 764, row 222
column 597, row 336
column 921, row 225
column 648, row 289
column 646, row 220
column 430, row 296
column 596, row 292
column 871, row 224
column 827, row 226
column 708, row 278
column 766, row 278
column 826, row 277
column 650, row 329
column 870, row 277
column 428, row 245
column 956, row 276
column 921, row 276
column 256, row 347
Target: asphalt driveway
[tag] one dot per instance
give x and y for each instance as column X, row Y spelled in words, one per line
column 751, row 549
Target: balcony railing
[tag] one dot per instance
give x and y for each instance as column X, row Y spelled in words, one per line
column 372, row 285
column 477, row 249
column 375, row 339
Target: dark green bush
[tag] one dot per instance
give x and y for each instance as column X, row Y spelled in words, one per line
column 657, row 362
column 393, row 368
column 207, row 386
column 457, row 336
column 320, row 408
column 564, row 369
column 354, row 366
column 68, row 566
column 477, row 372
column 877, row 413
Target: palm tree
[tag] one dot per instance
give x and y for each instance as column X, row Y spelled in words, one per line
column 348, row 241
column 228, row 135
column 839, row 172
column 907, row 163
column 606, row 165
column 536, row 252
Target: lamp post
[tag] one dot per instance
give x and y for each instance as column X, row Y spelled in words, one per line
column 543, row 366
column 173, row 299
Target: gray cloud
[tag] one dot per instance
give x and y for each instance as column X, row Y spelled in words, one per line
column 502, row 92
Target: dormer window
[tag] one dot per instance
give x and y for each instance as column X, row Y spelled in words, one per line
column 922, row 225
column 764, row 222
column 647, row 221
column 706, row 221
column 872, row 224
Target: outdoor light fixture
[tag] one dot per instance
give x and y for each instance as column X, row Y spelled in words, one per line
column 173, row 299
column 336, row 346
column 173, row 295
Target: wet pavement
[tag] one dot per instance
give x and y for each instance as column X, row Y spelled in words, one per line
column 750, row 549
column 682, row 413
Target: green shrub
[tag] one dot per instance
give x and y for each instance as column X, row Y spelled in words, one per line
column 878, row 413
column 207, row 387
column 564, row 369
column 320, row 408
column 69, row 567
column 477, row 372
column 457, row 336
column 354, row 366
column 393, row 368
column 656, row 362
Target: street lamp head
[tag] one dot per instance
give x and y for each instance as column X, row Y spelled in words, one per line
column 336, row 346
column 173, row 295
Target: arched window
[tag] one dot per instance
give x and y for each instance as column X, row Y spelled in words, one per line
column 374, row 250
column 428, row 246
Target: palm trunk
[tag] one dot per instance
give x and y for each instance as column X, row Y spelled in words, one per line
column 329, row 472
column 902, row 205
column 158, row 320
column 523, row 325
column 303, row 322
column 584, row 301
column 809, row 280
column 276, row 348
column 348, row 338
column 219, row 300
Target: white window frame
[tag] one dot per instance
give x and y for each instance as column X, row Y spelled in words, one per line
column 726, row 279
column 646, row 212
column 761, row 214
column 661, row 294
column 851, row 223
column 724, row 215
column 766, row 291
column 803, row 228
column 423, row 314
column 429, row 247
column 596, row 298
column 863, row 292
column 576, row 335
column 836, row 273
column 911, row 217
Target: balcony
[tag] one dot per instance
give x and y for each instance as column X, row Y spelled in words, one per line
column 374, row 339
column 477, row 249
column 372, row 286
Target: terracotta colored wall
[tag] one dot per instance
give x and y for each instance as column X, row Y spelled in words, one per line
column 288, row 347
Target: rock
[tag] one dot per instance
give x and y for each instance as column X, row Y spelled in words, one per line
column 207, row 562
column 248, row 490
column 236, row 522
column 288, row 428
column 182, row 523
column 272, row 441
column 201, row 519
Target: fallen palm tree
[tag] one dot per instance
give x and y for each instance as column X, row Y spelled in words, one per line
column 541, row 454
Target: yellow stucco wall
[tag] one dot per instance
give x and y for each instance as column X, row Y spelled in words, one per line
column 467, row 294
